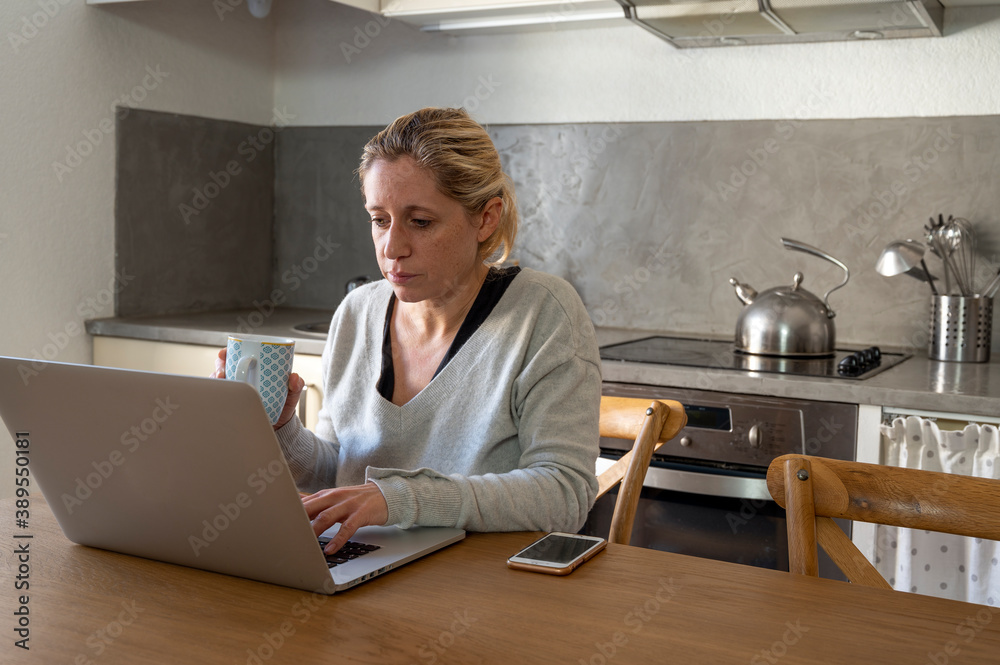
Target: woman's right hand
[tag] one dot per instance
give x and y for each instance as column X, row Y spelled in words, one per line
column 295, row 387
column 220, row 365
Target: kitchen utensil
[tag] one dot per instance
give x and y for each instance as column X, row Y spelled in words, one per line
column 942, row 247
column 961, row 328
column 924, row 276
column 962, row 239
column 931, row 233
column 991, row 287
column 902, row 256
column 787, row 321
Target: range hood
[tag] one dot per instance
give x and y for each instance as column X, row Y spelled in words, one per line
column 704, row 23
column 682, row 23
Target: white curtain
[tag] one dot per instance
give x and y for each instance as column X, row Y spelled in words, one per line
column 939, row 564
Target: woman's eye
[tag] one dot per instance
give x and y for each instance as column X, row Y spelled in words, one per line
column 421, row 223
column 379, row 222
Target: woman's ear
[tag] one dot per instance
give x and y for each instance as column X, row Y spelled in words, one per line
column 489, row 218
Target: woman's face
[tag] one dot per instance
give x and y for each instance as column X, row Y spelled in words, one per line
column 427, row 246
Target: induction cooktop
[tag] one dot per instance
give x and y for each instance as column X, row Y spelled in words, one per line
column 846, row 363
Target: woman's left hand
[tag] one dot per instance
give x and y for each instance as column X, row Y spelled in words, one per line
column 354, row 507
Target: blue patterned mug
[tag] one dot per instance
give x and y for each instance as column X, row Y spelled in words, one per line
column 265, row 363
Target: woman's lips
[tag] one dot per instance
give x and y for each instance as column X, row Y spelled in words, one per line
column 400, row 277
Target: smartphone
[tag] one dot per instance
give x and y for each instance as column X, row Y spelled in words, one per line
column 557, row 553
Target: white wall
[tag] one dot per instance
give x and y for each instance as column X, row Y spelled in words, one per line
column 623, row 74
column 59, row 82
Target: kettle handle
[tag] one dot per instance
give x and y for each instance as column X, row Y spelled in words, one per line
column 809, row 249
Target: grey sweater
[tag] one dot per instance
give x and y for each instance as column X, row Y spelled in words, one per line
column 504, row 438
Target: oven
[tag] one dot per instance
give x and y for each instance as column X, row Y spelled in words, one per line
column 705, row 493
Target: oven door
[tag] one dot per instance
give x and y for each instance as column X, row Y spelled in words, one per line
column 710, row 513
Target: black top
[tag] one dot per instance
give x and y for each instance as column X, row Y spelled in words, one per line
column 495, row 285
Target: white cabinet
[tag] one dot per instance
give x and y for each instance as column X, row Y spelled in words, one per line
column 197, row 360
column 926, row 562
column 869, row 450
column 480, row 15
column 872, row 448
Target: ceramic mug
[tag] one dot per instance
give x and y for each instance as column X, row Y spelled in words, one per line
column 265, row 363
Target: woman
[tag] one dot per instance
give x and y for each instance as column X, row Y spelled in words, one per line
column 455, row 393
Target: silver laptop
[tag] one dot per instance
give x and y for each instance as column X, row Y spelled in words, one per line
column 185, row 470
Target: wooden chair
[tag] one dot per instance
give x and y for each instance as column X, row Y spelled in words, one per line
column 649, row 424
column 813, row 490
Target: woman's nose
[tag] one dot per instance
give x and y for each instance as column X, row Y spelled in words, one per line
column 396, row 243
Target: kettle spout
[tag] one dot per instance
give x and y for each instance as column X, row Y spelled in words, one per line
column 744, row 292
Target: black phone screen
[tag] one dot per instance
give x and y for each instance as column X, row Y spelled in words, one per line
column 557, row 549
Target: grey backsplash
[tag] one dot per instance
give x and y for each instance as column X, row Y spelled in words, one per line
column 650, row 220
column 318, row 202
column 194, row 213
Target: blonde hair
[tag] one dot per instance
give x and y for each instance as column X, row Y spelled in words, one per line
column 460, row 155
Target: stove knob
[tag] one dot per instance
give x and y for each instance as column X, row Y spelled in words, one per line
column 849, row 366
column 754, row 436
column 685, row 441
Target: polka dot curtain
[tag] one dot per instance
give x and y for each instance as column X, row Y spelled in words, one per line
column 940, row 564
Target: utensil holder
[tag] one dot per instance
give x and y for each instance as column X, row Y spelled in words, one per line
column 961, row 328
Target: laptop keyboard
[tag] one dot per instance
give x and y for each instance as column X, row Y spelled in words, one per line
column 351, row 550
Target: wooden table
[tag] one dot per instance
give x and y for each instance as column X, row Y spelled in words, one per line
column 462, row 605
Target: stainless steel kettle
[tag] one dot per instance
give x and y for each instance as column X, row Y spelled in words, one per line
column 787, row 320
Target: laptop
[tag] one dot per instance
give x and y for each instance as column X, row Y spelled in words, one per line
column 185, row 470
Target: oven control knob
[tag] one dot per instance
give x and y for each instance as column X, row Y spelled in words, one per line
column 685, row 441
column 754, row 436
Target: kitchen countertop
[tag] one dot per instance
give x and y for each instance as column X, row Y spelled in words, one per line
column 214, row 328
column 917, row 383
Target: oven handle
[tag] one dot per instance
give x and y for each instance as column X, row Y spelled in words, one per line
column 711, row 484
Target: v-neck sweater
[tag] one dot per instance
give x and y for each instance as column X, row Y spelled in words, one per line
column 503, row 438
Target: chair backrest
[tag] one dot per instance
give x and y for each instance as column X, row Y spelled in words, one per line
column 813, row 490
column 649, row 424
